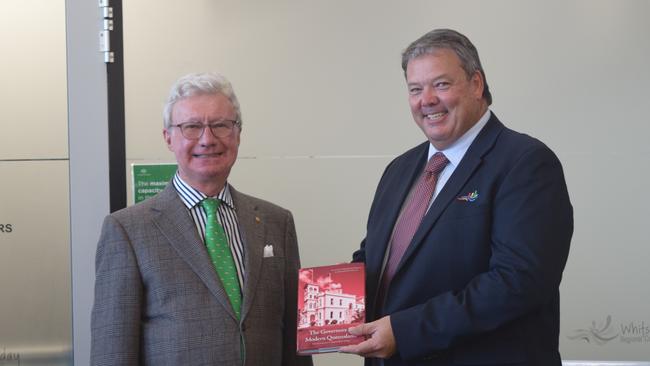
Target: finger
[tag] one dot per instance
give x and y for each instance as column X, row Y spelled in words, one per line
column 348, row 349
column 365, row 329
column 364, row 348
column 358, row 330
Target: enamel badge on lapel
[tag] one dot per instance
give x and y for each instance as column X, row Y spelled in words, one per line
column 470, row 197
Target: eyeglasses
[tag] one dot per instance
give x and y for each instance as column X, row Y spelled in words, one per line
column 194, row 130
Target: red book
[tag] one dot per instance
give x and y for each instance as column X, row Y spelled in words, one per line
column 331, row 299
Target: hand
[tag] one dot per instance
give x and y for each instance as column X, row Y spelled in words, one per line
column 379, row 343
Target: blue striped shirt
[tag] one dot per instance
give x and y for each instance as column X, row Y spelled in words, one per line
column 227, row 217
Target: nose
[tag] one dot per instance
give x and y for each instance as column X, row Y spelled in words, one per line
column 429, row 96
column 207, row 137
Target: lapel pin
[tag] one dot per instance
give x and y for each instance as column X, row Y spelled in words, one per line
column 470, row 197
column 257, row 219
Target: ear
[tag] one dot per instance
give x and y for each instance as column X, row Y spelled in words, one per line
column 238, row 136
column 168, row 139
column 477, row 85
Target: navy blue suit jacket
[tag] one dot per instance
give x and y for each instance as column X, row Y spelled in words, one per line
column 479, row 283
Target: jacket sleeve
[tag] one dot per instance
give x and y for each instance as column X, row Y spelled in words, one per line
column 115, row 319
column 289, row 356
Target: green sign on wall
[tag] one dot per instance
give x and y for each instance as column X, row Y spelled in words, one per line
column 149, row 179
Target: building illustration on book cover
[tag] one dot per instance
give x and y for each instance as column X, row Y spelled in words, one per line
column 331, row 299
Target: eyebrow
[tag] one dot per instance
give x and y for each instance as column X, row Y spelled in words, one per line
column 437, row 78
column 211, row 121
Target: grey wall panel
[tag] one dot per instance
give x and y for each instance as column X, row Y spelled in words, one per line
column 33, row 88
column 35, row 311
column 88, row 124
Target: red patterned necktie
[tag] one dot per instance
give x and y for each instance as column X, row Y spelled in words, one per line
column 410, row 218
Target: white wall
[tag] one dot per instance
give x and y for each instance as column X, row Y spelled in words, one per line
column 324, row 108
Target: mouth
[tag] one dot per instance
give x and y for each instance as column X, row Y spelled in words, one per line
column 435, row 116
column 207, row 155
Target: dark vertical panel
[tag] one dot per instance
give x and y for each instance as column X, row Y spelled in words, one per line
column 116, row 119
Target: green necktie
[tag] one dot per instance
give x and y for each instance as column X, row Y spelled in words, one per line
column 219, row 250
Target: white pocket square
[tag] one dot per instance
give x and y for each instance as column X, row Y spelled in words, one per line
column 268, row 251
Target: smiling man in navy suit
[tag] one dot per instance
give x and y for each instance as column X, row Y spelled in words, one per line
column 464, row 260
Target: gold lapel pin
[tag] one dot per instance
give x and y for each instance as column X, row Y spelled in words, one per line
column 257, row 219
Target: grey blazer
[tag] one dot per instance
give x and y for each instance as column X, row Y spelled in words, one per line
column 159, row 301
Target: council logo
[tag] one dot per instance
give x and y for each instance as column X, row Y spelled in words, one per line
column 599, row 334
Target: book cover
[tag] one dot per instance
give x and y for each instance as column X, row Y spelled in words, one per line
column 331, row 299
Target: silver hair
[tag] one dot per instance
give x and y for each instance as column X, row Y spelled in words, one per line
column 199, row 84
column 448, row 39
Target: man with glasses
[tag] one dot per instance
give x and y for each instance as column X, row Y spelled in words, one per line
column 200, row 274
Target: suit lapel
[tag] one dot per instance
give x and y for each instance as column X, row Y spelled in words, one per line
column 468, row 165
column 174, row 221
column 251, row 225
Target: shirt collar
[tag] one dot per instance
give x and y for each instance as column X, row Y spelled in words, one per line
column 192, row 197
column 457, row 150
